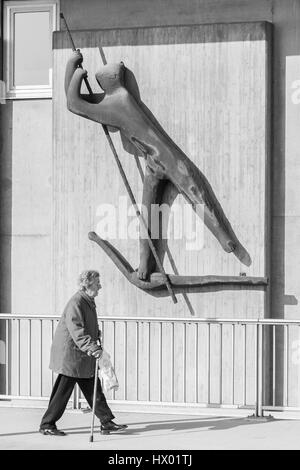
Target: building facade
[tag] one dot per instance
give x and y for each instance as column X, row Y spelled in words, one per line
column 222, row 78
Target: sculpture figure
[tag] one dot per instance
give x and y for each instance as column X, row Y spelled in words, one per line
column 168, row 170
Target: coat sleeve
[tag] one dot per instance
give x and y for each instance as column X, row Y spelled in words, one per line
column 76, row 326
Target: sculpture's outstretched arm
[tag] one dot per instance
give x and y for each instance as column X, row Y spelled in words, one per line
column 106, row 111
column 75, row 102
column 73, row 63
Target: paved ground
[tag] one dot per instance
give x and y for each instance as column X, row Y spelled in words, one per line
column 18, row 430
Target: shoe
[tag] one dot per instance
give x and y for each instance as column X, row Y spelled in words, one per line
column 52, row 432
column 109, row 427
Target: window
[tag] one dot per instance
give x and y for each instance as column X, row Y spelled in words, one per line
column 28, row 27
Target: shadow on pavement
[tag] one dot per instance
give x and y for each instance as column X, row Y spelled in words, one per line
column 180, row 425
column 213, row 424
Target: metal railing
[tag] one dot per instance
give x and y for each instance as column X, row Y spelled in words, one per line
column 241, row 363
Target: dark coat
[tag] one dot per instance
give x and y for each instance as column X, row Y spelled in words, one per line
column 75, row 336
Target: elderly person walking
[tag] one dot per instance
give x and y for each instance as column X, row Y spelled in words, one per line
column 73, row 354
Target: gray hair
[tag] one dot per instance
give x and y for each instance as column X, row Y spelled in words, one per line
column 86, row 279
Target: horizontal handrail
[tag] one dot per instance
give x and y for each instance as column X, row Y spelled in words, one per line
column 254, row 321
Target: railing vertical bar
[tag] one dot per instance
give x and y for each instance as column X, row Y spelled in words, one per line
column 41, row 358
column 75, row 397
column 286, row 365
column 79, row 396
column 184, row 362
column 274, row 366
column 29, row 357
column 101, row 327
column 137, row 360
column 261, row 369
column 149, row 359
column 78, row 404
column 233, row 359
column 196, row 361
column 125, row 360
column 208, row 365
column 103, row 330
column 19, row 356
column 160, row 361
column 221, row 365
column 256, row 370
column 7, row 357
column 52, row 335
column 114, row 353
column 245, row 366
column 172, row 362
column 114, row 344
column 102, row 333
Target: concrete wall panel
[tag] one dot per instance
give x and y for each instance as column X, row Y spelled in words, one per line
column 96, row 14
column 220, row 122
column 31, row 207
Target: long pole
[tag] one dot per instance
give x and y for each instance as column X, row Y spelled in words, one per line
column 94, row 400
column 127, row 185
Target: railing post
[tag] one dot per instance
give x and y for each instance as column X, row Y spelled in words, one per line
column 258, row 372
column 75, row 398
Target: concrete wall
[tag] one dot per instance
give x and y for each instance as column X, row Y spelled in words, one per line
column 285, row 16
column 219, row 120
column 26, row 206
column 31, row 207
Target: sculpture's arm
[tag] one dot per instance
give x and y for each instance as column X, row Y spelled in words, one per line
column 104, row 112
column 75, row 101
column 72, row 65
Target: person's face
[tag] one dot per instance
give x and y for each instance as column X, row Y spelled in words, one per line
column 94, row 288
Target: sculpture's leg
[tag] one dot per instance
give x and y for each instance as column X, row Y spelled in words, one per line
column 199, row 192
column 166, row 198
column 151, row 190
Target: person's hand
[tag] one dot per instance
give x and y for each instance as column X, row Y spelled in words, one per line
column 96, row 354
column 76, row 58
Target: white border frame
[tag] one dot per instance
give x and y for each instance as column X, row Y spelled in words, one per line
column 9, row 9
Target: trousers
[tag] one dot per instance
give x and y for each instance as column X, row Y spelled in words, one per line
column 60, row 396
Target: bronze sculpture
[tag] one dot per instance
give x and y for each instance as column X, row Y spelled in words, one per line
column 168, row 170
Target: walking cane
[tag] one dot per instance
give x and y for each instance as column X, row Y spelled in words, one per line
column 94, row 400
